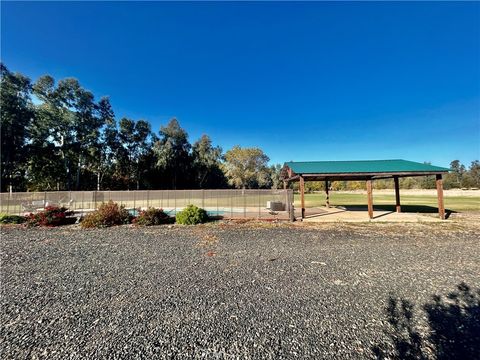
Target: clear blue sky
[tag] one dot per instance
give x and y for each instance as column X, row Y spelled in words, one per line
column 303, row 81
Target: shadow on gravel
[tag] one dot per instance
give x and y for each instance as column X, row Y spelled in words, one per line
column 453, row 328
column 420, row 209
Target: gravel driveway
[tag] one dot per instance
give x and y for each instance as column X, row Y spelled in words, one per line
column 223, row 291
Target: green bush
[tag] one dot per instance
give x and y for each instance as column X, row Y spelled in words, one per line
column 192, row 215
column 152, row 216
column 108, row 214
column 11, row 219
column 51, row 216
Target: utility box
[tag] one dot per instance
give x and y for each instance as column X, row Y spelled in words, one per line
column 275, row 205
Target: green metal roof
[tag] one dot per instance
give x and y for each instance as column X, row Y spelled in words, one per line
column 361, row 166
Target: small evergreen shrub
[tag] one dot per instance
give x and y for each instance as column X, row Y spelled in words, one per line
column 192, row 215
column 11, row 219
column 151, row 216
column 108, row 214
column 51, row 216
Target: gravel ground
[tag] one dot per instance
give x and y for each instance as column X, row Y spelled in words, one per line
column 221, row 291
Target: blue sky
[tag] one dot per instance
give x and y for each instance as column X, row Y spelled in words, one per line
column 303, row 81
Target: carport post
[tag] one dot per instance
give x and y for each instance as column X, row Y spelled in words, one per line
column 397, row 194
column 370, row 198
column 302, row 195
column 287, row 200
column 441, row 206
column 327, row 197
column 287, row 206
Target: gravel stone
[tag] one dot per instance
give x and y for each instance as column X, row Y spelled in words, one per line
column 219, row 292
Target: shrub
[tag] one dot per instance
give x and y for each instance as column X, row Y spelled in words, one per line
column 51, row 216
column 192, row 215
column 108, row 214
column 151, row 216
column 11, row 219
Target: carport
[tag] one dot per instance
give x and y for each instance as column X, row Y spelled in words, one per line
column 364, row 170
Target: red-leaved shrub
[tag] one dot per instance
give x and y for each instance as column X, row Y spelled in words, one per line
column 51, row 216
column 152, row 216
column 108, row 214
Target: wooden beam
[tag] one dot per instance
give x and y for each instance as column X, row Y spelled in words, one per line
column 397, row 194
column 370, row 198
column 441, row 206
column 327, row 197
column 302, row 195
column 293, row 178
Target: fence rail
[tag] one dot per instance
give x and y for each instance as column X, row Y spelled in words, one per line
column 228, row 203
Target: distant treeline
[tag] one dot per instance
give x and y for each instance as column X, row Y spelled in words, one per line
column 57, row 136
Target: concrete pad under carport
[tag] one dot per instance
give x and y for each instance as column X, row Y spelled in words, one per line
column 341, row 214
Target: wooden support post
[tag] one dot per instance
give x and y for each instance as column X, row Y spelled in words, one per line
column 441, row 206
column 287, row 205
column 370, row 198
column 327, row 197
column 302, row 195
column 397, row 194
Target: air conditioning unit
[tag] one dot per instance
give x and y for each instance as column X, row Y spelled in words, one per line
column 275, row 206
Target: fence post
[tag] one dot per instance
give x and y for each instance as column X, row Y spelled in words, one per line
column 244, row 204
column 259, row 203
column 44, row 200
column 10, row 197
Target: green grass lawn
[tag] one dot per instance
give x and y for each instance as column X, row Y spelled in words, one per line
column 410, row 203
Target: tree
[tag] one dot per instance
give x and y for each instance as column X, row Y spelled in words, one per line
column 246, row 167
column 454, row 178
column 173, row 155
column 457, row 167
column 275, row 181
column 106, row 150
column 49, row 166
column 136, row 141
column 68, row 127
column 15, row 116
column 474, row 172
column 86, row 129
column 207, row 164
